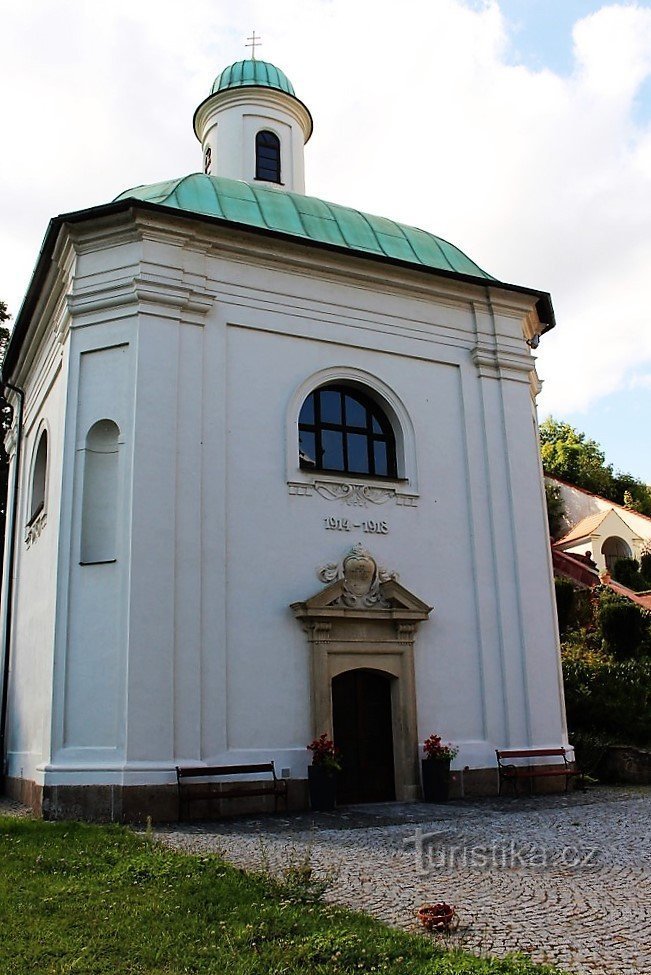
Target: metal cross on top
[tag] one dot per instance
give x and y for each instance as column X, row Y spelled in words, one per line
column 254, row 40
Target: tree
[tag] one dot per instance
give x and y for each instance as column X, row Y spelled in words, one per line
column 570, row 455
column 632, row 493
column 555, row 510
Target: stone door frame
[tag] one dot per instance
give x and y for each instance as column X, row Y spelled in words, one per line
column 381, row 638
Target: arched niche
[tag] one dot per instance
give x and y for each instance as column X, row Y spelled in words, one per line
column 38, row 479
column 100, row 494
column 613, row 549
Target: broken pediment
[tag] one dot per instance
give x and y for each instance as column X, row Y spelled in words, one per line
column 358, row 585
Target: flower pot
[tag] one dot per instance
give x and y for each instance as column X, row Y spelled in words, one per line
column 322, row 785
column 438, row 917
column 436, row 780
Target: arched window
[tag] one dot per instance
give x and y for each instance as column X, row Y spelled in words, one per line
column 100, row 494
column 342, row 429
column 39, row 472
column 267, row 157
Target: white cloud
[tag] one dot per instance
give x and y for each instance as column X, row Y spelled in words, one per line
column 544, row 180
column 640, row 381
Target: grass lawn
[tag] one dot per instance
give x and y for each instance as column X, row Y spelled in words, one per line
column 99, row 900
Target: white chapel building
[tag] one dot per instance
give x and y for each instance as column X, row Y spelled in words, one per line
column 276, row 473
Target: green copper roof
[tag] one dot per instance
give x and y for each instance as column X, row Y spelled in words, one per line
column 307, row 218
column 252, row 73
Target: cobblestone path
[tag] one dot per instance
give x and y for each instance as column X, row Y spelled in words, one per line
column 566, row 879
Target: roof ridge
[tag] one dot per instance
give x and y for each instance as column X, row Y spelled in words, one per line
column 594, row 520
column 592, row 494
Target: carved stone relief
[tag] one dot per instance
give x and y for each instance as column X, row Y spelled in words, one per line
column 361, row 576
column 352, row 493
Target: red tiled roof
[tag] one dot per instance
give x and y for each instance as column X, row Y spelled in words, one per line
column 641, row 598
column 576, row 570
column 584, row 528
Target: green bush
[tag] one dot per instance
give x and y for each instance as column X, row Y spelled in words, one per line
column 623, row 625
column 555, row 510
column 590, row 748
column 573, row 606
column 607, row 697
column 565, row 601
column 627, row 571
column 633, row 574
column 645, row 567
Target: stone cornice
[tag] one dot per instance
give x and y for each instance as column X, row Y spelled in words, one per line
column 495, row 362
column 246, row 246
column 140, row 294
column 250, row 96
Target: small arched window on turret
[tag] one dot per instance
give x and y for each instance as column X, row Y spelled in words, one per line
column 267, row 157
column 39, row 472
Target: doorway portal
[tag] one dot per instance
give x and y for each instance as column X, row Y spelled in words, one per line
column 363, row 730
column 613, row 549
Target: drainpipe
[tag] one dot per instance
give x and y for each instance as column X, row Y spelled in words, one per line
column 9, row 585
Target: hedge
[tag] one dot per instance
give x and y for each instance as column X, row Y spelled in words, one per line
column 608, row 697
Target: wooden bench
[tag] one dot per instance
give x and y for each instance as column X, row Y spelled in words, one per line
column 190, row 791
column 514, row 773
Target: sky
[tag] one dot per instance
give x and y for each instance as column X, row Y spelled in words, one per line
column 518, row 129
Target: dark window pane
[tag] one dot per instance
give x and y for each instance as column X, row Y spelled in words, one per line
column 381, row 464
column 307, row 410
column 355, row 413
column 343, row 429
column 268, row 173
column 333, row 450
column 267, row 157
column 307, row 449
column 358, row 453
column 330, row 406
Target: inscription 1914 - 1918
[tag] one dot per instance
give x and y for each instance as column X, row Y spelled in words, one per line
column 368, row 525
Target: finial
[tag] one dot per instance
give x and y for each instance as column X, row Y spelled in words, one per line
column 254, row 40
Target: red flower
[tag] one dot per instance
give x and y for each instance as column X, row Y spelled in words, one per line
column 325, row 752
column 436, row 750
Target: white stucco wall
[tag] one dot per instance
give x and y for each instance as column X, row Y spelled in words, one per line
column 35, row 566
column 228, row 122
column 184, row 649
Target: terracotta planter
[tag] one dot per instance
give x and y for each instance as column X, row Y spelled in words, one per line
column 436, row 780
column 438, row 917
column 322, row 786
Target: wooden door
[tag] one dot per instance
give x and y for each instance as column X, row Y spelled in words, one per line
column 361, row 711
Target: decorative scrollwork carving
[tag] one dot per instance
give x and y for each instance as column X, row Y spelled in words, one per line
column 361, row 576
column 353, row 494
column 34, row 529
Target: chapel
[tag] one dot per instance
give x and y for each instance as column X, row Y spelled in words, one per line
column 274, row 473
